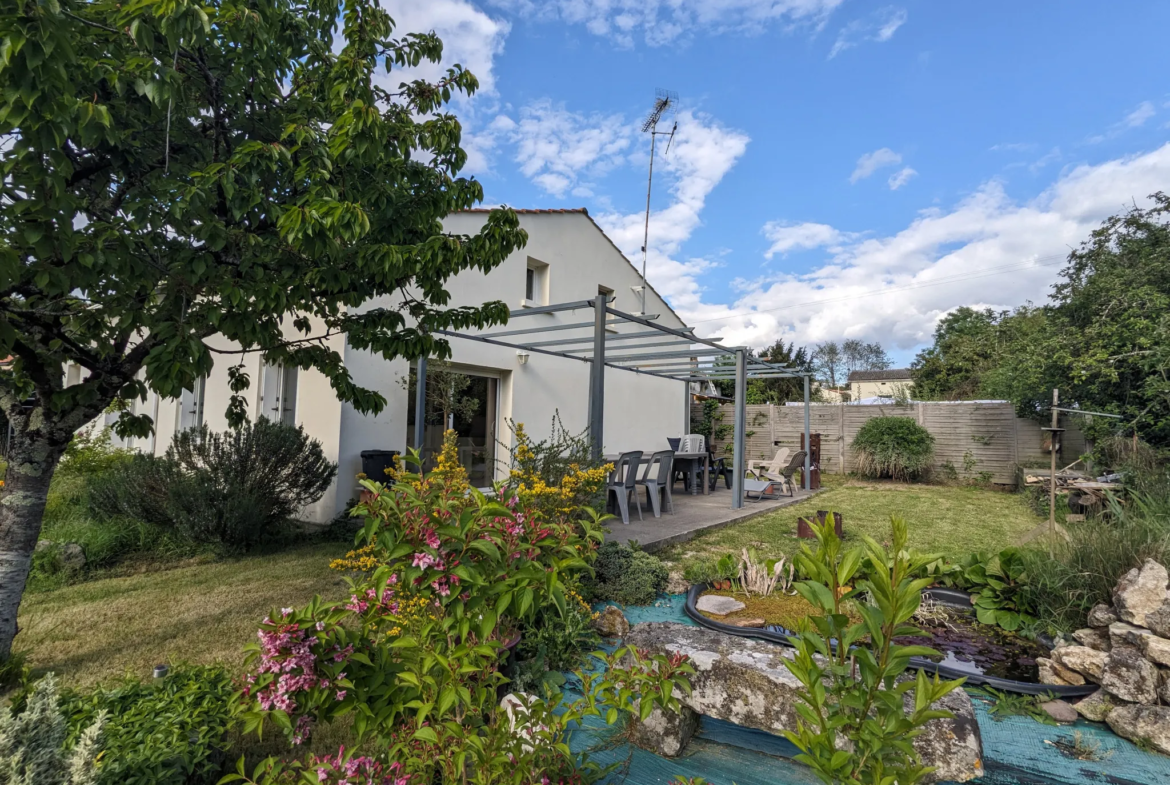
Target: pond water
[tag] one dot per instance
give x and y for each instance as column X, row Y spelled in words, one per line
column 979, row 649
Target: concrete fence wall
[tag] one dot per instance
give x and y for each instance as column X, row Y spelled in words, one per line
column 980, row 440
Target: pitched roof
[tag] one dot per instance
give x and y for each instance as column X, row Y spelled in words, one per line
column 892, row 374
column 582, row 211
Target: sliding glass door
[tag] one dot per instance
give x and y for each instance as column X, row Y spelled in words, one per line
column 463, row 402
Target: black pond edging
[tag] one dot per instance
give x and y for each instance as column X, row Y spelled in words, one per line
column 948, row 597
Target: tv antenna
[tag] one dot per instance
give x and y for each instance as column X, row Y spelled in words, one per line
column 665, row 104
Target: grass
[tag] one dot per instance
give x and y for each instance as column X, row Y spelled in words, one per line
column 948, row 520
column 203, row 614
column 785, row 610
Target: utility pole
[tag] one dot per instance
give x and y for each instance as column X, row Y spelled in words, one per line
column 1050, row 529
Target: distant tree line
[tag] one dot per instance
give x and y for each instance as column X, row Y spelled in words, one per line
column 1103, row 337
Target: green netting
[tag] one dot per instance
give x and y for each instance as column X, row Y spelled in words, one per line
column 1017, row 750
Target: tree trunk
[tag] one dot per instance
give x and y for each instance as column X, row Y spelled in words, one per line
column 31, row 463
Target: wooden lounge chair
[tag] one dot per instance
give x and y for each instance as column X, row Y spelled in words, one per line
column 778, row 462
column 784, row 476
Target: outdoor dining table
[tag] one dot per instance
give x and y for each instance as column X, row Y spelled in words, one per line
column 692, row 460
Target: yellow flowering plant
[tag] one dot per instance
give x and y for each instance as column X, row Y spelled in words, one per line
column 556, row 476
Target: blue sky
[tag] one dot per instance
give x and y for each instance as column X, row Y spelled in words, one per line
column 841, row 169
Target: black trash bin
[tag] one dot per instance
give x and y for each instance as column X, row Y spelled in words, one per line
column 376, row 462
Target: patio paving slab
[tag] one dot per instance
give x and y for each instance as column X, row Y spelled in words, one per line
column 692, row 515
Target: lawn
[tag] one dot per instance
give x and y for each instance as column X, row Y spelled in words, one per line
column 946, row 520
column 203, row 613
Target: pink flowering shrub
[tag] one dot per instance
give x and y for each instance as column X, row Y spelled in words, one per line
column 413, row 654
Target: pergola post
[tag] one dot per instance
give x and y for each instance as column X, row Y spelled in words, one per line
column 597, row 378
column 807, row 441
column 420, row 405
column 740, row 425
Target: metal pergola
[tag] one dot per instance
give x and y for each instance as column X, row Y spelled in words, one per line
column 660, row 351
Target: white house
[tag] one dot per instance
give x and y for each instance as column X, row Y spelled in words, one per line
column 891, row 383
column 568, row 258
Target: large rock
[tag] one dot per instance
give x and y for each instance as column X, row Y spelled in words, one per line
column 1141, row 591
column 1052, row 672
column 1130, row 676
column 72, row 557
column 1094, row 638
column 611, row 623
column 1164, row 686
column 1159, row 620
column 1146, row 724
column 1102, row 616
column 1126, row 635
column 1096, row 707
column 745, row 682
column 718, row 605
column 1156, row 649
column 1085, row 661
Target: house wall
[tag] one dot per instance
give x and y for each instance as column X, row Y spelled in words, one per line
column 641, row 412
column 889, row 388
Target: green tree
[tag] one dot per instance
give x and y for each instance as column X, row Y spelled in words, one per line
column 174, row 171
column 1105, row 341
column 774, row 391
column 969, row 346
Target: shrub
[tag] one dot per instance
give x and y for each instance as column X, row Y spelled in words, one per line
column 999, row 584
column 1082, row 572
column 171, row 731
column 893, row 447
column 234, row 489
column 413, row 656
column 856, row 725
column 559, row 640
column 558, row 475
column 627, row 575
column 33, row 743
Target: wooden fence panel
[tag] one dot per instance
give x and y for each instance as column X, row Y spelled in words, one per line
column 975, row 440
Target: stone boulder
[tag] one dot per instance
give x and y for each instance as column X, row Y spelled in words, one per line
column 1130, row 676
column 1094, row 638
column 1164, row 686
column 1090, row 663
column 1052, row 672
column 72, row 557
column 1102, row 616
column 1061, row 711
column 1157, row 650
column 1096, row 707
column 1140, row 592
column 611, row 623
column 718, row 605
column 745, row 682
column 1146, row 724
column 1159, row 620
column 1122, row 635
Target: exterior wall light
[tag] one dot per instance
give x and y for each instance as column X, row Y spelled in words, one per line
column 522, row 357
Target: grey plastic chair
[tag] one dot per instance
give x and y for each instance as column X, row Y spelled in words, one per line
column 657, row 481
column 623, row 481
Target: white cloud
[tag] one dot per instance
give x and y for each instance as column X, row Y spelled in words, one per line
column 878, row 26
column 787, row 237
column 871, row 162
column 703, row 153
column 660, row 23
column 901, row 177
column 556, row 147
column 987, row 250
column 1138, row 117
column 470, row 37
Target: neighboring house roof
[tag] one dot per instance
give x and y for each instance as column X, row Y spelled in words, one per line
column 584, row 212
column 891, row 375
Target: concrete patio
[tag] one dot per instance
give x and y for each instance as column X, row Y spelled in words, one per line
column 692, row 516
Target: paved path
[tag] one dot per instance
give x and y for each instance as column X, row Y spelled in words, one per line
column 692, row 515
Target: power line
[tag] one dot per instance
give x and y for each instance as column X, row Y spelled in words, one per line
column 1041, row 262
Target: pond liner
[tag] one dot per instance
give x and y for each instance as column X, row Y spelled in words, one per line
column 948, row 597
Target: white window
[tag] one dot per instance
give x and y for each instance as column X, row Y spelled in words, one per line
column 191, row 405
column 278, row 393
column 535, row 284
